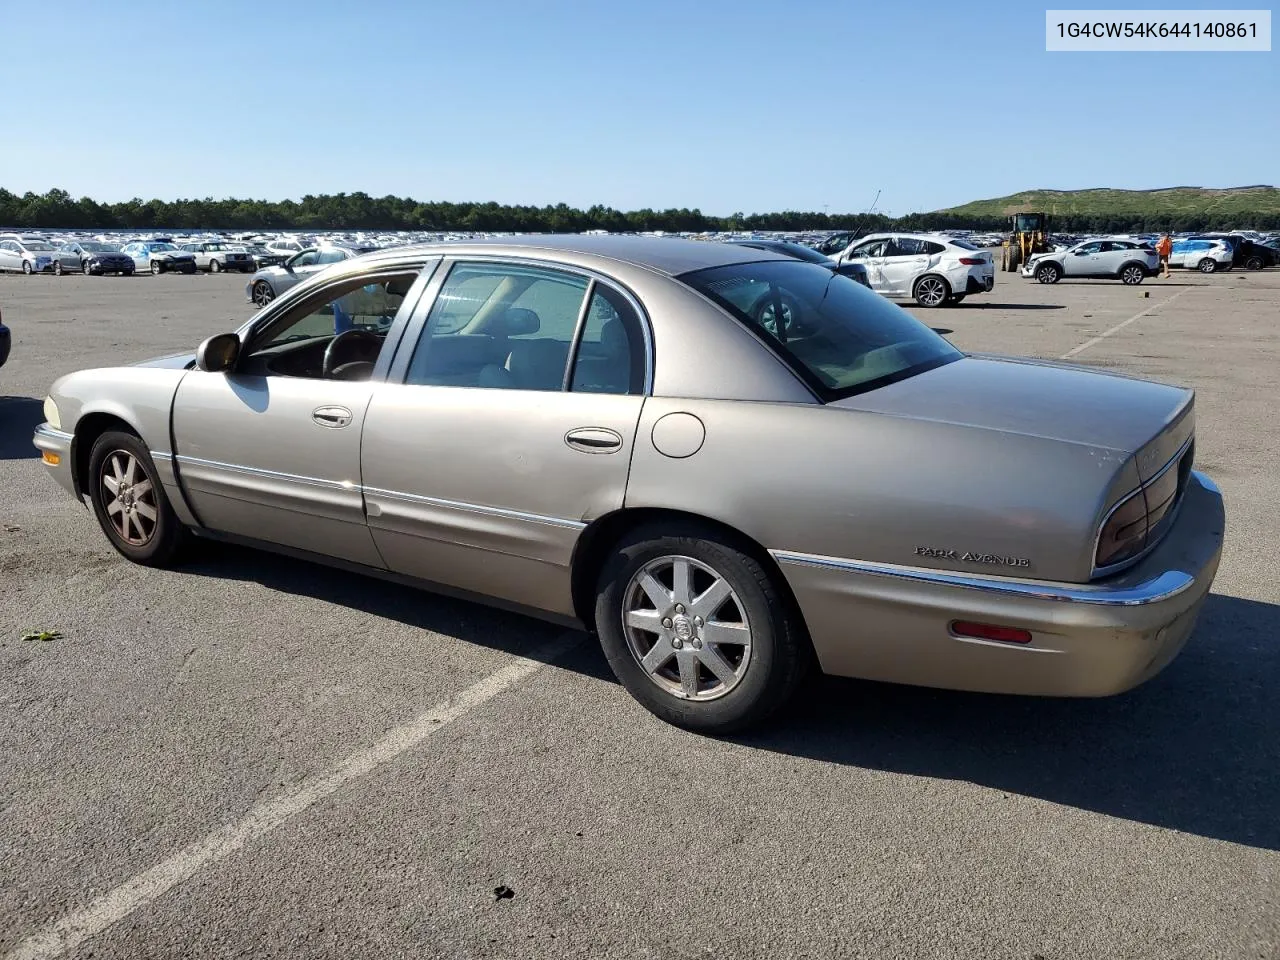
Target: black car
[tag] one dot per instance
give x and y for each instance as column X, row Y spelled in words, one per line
column 5, row 342
column 1245, row 252
column 100, row 258
column 852, row 270
column 262, row 257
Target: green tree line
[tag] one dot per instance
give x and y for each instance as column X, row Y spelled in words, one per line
column 359, row 211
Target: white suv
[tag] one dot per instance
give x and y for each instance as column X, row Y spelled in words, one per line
column 933, row 270
column 1207, row 256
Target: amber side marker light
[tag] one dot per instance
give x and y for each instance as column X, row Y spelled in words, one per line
column 989, row 631
column 50, row 458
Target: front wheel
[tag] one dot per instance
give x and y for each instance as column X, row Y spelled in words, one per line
column 1132, row 275
column 697, row 631
column 1208, row 266
column 57, row 268
column 156, row 268
column 931, row 291
column 129, row 501
column 262, row 293
column 215, row 266
column 26, row 267
column 1048, row 273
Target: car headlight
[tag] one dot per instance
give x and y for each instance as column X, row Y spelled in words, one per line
column 51, row 414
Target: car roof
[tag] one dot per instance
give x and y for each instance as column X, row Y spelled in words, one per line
column 667, row 255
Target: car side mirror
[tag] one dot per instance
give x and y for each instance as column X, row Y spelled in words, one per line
column 218, row 354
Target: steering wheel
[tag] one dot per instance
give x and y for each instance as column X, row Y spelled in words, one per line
column 348, row 349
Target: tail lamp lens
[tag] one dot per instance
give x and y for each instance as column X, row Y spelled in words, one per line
column 972, row 261
column 1125, row 532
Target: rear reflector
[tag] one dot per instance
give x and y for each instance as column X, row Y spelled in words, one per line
column 989, row 631
column 972, row 261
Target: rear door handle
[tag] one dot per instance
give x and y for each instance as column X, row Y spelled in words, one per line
column 594, row 440
column 331, row 416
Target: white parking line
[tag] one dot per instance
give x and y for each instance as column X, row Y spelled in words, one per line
column 1119, row 326
column 72, row 930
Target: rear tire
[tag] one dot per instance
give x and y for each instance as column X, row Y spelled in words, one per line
column 749, row 681
column 130, row 503
column 1208, row 265
column 1131, row 274
column 1048, row 273
column 1254, row 263
column 931, row 291
column 57, row 268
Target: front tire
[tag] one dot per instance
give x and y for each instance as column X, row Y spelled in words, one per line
column 215, row 266
column 130, row 503
column 931, row 291
column 262, row 293
column 1048, row 273
column 697, row 631
column 1132, row 275
column 57, row 268
column 26, row 267
column 157, row 268
column 1208, row 265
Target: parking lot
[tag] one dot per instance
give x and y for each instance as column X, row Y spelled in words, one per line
column 254, row 756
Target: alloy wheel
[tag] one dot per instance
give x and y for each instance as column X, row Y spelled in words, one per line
column 26, row 266
column 129, row 497
column 262, row 293
column 686, row 628
column 156, row 267
column 214, row 266
column 57, row 268
column 931, row 291
column 1132, row 275
column 1208, row 266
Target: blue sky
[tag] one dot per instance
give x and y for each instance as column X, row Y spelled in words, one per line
column 749, row 105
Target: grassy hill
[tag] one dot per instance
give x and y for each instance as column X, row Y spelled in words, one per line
column 1242, row 204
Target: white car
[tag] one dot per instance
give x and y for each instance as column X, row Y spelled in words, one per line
column 1128, row 261
column 160, row 256
column 288, row 246
column 35, row 255
column 1207, row 256
column 932, row 270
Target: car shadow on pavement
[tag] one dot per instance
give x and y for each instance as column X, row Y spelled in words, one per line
column 987, row 305
column 1196, row 749
column 19, row 417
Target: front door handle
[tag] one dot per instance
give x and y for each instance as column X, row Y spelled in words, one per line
column 594, row 440
column 331, row 416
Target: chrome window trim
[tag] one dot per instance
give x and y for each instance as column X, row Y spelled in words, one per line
column 476, row 508
column 1172, row 516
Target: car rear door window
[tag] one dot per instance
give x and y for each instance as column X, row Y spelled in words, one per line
column 610, row 354
column 501, row 326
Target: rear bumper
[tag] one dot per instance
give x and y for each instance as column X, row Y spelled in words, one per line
column 893, row 623
column 980, row 284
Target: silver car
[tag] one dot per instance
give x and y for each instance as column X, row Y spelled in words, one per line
column 24, row 254
column 269, row 282
column 1122, row 260
column 160, row 256
column 216, row 256
column 632, row 435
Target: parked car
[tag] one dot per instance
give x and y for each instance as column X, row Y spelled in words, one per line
column 268, row 283
column 6, row 341
column 288, row 246
column 262, row 257
column 26, row 254
column 97, row 257
column 850, row 268
column 160, row 256
column 216, row 256
column 1207, row 256
column 1128, row 261
column 933, row 270
column 1245, row 251
column 604, row 431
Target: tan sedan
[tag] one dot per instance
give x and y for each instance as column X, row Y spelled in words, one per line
column 731, row 465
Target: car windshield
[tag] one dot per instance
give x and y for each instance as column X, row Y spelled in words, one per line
column 839, row 336
column 37, row 245
column 94, row 247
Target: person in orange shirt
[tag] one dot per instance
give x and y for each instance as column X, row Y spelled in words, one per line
column 1164, row 247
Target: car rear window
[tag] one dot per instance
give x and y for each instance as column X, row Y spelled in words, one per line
column 839, row 336
column 963, row 244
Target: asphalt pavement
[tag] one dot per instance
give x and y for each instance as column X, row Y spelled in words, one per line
column 257, row 757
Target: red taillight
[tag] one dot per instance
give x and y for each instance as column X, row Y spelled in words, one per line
column 972, row 261
column 1124, row 534
column 990, row 631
